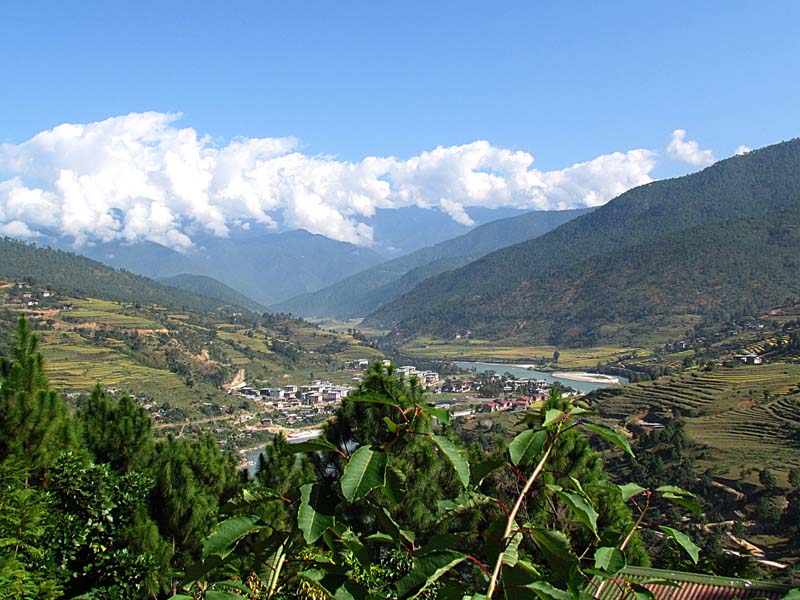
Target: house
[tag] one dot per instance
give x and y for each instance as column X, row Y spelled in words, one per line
column 751, row 359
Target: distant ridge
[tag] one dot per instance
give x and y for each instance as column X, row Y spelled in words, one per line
column 208, row 286
column 83, row 277
column 709, row 245
column 267, row 267
column 366, row 291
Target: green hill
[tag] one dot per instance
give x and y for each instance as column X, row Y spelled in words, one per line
column 208, row 286
column 75, row 275
column 649, row 263
column 366, row 291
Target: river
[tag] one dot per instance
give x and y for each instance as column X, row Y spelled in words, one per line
column 523, row 373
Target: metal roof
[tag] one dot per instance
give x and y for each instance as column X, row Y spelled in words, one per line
column 693, row 586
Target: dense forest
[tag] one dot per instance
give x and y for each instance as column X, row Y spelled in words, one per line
column 387, row 504
column 721, row 241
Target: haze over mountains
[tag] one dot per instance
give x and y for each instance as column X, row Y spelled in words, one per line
column 722, row 241
column 364, row 292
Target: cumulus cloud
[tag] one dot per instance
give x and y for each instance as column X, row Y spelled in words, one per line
column 743, row 150
column 688, row 151
column 142, row 177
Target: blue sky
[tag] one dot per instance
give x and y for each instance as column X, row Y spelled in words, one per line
column 566, row 82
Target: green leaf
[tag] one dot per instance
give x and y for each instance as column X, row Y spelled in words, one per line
column 426, row 570
column 674, row 489
column 556, row 550
column 553, row 415
column 577, row 410
column 642, row 593
column 228, row 533
column 792, row 595
column 546, row 591
column 440, row 413
column 373, row 398
column 629, row 490
column 582, row 508
column 681, row 501
column 390, row 425
column 615, row 437
column 683, row 541
column 315, row 445
column 395, row 484
column 483, row 469
column 219, row 595
column 315, row 514
column 388, row 525
column 450, row 450
column 610, row 560
column 365, row 471
column 511, row 554
column 526, row 446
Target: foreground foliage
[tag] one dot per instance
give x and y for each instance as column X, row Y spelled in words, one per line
column 356, row 531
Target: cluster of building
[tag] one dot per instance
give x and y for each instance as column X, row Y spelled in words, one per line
column 27, row 296
column 426, row 378
column 290, row 396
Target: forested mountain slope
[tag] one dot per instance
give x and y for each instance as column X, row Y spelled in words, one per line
column 208, row 286
column 724, row 240
column 364, row 292
column 80, row 276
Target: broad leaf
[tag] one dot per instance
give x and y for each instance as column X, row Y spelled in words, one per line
column 395, row 484
column 682, row 501
column 390, row 425
column 450, row 451
column 547, row 591
column 674, row 489
column 615, row 437
column 426, row 570
column 683, row 541
column 629, row 490
column 483, row 469
column 388, row 525
column 556, row 550
column 511, row 554
column 315, row 514
column 315, row 445
column 608, row 559
column 440, row 413
column 220, row 595
column 553, row 415
column 642, row 593
column 365, row 471
column 582, row 508
column 526, row 446
column 228, row 533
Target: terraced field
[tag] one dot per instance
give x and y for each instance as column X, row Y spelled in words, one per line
column 72, row 364
column 749, row 415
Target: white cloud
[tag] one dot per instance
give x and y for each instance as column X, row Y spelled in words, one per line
column 743, row 150
column 141, row 177
column 688, row 151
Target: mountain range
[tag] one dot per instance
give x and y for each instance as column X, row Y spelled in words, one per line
column 366, row 291
column 652, row 261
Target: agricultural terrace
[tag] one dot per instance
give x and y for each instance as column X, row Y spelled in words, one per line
column 749, row 415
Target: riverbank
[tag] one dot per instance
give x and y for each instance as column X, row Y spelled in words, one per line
column 587, row 377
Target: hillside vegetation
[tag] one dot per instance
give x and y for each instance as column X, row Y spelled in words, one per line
column 366, row 291
column 208, row 286
column 714, row 244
